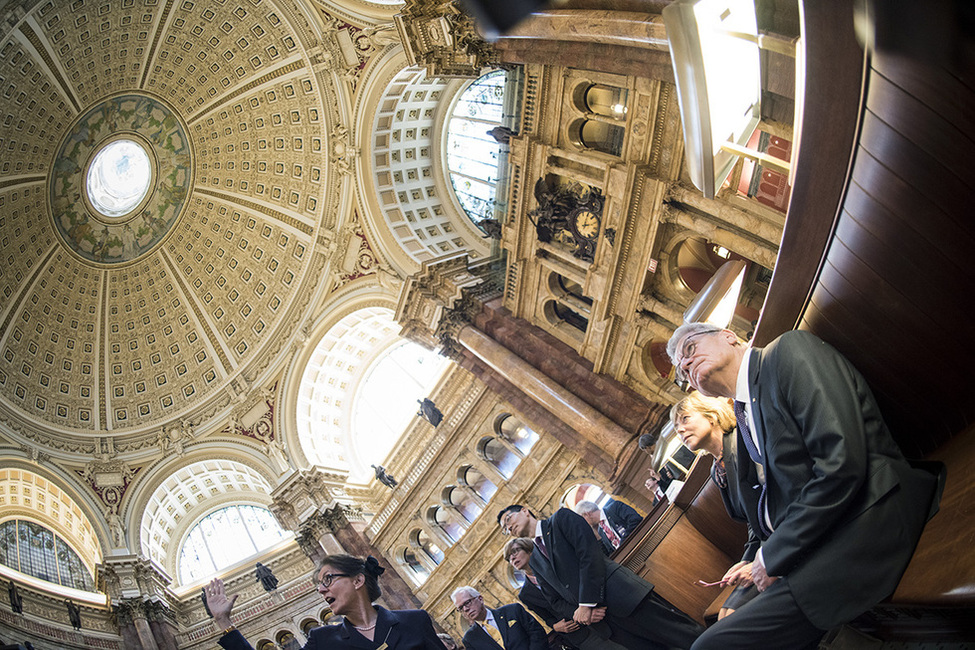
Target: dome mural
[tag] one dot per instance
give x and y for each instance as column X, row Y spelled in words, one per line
column 101, row 207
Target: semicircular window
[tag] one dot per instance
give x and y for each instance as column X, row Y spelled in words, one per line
column 31, row 548
column 225, row 537
column 472, row 149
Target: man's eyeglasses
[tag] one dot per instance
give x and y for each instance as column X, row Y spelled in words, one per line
column 505, row 523
column 687, row 349
column 467, row 603
column 328, row 578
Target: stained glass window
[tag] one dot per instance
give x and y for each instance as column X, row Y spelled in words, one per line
column 472, row 152
column 226, row 537
column 31, row 548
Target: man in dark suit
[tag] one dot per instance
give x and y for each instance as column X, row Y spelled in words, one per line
column 840, row 510
column 569, row 565
column 509, row 626
column 557, row 614
column 623, row 518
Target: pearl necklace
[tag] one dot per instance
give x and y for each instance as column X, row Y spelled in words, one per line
column 368, row 627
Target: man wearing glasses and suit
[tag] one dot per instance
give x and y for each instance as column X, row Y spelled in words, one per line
column 510, row 626
column 840, row 510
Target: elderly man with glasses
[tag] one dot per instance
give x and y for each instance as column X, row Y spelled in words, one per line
column 510, row 626
column 840, row 510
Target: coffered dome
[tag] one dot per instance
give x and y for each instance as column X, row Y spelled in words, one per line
column 128, row 306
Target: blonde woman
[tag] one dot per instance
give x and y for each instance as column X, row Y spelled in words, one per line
column 708, row 423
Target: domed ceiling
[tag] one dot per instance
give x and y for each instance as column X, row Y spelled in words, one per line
column 122, row 319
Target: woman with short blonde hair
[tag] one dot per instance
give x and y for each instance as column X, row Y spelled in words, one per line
column 708, row 423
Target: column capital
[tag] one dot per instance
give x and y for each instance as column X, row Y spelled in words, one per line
column 129, row 577
column 302, row 494
column 443, row 296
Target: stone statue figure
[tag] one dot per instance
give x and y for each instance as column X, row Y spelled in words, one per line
column 16, row 600
column 266, row 576
column 74, row 614
column 429, row 411
column 383, row 477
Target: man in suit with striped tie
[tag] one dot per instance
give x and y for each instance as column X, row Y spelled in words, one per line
column 510, row 626
column 840, row 510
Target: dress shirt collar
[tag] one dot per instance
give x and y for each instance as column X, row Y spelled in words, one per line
column 741, row 383
column 489, row 619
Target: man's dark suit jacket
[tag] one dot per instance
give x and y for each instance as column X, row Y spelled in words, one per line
column 577, row 571
column 409, row 629
column 550, row 612
column 732, row 495
column 846, row 507
column 623, row 518
column 519, row 631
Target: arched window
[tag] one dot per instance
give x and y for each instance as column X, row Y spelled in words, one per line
column 557, row 312
column 417, row 571
column 472, row 152
column 287, row 641
column 423, row 541
column 328, row 617
column 696, row 259
column 514, row 431
column 226, row 537
column 31, row 548
column 266, row 644
column 609, row 101
column 461, row 500
column 598, row 135
column 584, row 492
column 516, row 578
column 472, row 478
column 440, row 518
column 494, row 451
column 308, row 625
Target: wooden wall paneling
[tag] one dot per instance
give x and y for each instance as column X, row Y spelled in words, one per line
column 942, row 571
column 924, row 127
column 851, row 329
column 708, row 515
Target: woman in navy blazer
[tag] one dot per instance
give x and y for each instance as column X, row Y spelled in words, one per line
column 708, row 423
column 350, row 586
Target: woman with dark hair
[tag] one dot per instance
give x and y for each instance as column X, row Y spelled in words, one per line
column 350, row 586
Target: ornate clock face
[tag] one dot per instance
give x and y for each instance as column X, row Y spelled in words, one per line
column 585, row 223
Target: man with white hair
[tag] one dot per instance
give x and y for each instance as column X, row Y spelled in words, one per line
column 840, row 510
column 510, row 626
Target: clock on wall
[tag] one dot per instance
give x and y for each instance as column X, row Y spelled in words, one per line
column 584, row 223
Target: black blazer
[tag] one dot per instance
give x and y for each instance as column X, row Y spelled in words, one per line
column 576, row 570
column 623, row 518
column 842, row 499
column 731, row 493
column 551, row 612
column 410, row 629
column 519, row 631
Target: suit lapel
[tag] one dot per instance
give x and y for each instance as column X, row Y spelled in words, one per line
column 502, row 622
column 544, row 569
column 549, row 545
column 755, row 394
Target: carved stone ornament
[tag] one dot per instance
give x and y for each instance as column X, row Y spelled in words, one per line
column 437, row 35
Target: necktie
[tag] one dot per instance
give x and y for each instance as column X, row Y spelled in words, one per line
column 746, row 436
column 613, row 538
column 494, row 632
column 718, row 473
column 540, row 544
